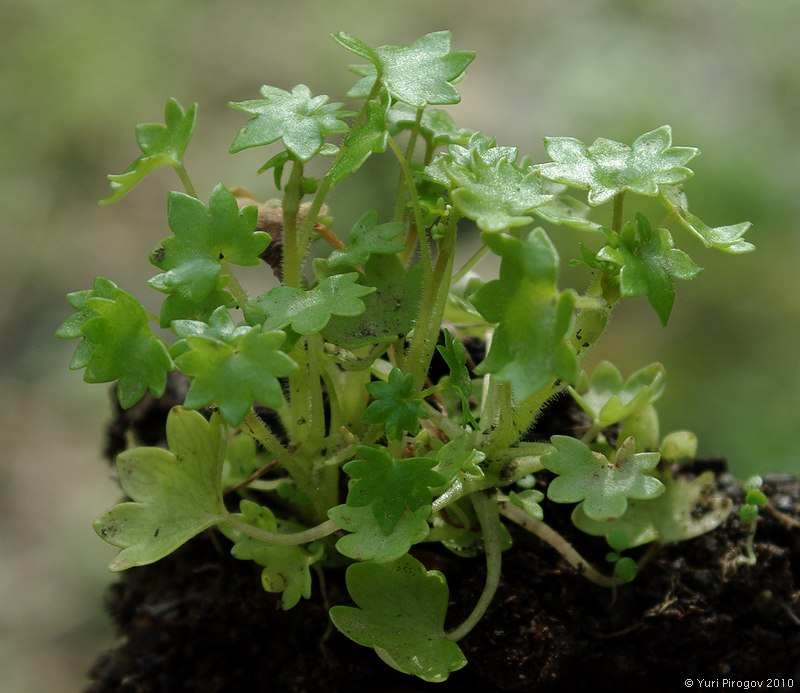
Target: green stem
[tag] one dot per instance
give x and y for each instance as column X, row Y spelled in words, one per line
column 322, row 530
column 261, row 432
column 187, row 182
column 554, row 539
column 408, row 176
column 469, row 264
column 431, row 310
column 616, row 222
column 400, row 200
column 292, row 253
column 486, row 510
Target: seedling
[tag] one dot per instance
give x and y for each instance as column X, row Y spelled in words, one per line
column 387, row 366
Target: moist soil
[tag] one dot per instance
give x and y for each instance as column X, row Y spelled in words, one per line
column 199, row 620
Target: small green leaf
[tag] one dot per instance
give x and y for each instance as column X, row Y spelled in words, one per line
column 235, row 376
column 400, row 613
column 648, row 264
column 389, row 312
column 368, row 238
column 368, row 138
column 455, row 356
column 686, row 509
column 368, row 542
column 308, row 312
column 524, row 301
column 118, row 343
column 419, row 74
column 748, row 513
column 205, row 238
column 607, row 168
column 603, row 486
column 161, row 145
column 726, row 238
column 437, row 126
column 529, row 501
column 755, row 497
column 298, row 119
column 607, row 400
column 625, row 569
column 396, row 404
column 487, row 185
column 390, row 485
column 175, row 494
column 286, row 568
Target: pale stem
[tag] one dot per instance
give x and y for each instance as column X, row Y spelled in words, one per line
column 554, row 539
column 486, row 510
column 290, row 539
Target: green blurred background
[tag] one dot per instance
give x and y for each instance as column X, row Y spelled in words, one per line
column 75, row 77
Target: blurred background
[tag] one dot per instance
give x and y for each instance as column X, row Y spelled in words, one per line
column 76, row 77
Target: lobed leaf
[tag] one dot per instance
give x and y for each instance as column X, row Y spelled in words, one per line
column 396, row 404
column 235, row 376
column 308, row 312
column 296, row 118
column 286, row 567
column 368, row 138
column 205, row 238
column 525, row 301
column 607, row 400
column 607, row 168
column 400, row 611
column 604, row 487
column 118, row 343
column 686, row 509
column 161, row 145
column 388, row 485
column 648, row 264
column 368, row 238
column 175, row 494
column 419, row 74
column 726, row 238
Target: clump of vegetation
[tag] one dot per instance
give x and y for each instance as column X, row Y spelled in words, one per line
column 384, row 365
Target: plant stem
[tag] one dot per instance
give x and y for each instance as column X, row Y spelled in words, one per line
column 486, row 510
column 477, row 256
column 187, row 182
column 292, row 253
column 550, row 536
column 616, row 222
column 290, row 539
column 431, row 310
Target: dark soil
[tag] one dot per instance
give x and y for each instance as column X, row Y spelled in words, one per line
column 199, row 620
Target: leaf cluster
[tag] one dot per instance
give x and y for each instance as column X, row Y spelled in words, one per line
column 398, row 386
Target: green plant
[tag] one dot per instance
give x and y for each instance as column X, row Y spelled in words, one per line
column 364, row 352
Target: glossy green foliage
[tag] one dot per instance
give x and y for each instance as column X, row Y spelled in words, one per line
column 175, row 494
column 525, row 301
column 308, row 312
column 396, row 405
column 609, row 400
column 607, row 168
column 204, row 240
column 161, row 145
column 489, row 187
column 602, row 486
column 648, row 264
column 400, row 611
column 419, row 74
column 383, row 362
column 235, row 376
column 368, row 238
column 286, row 568
column 118, row 343
column 299, row 120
